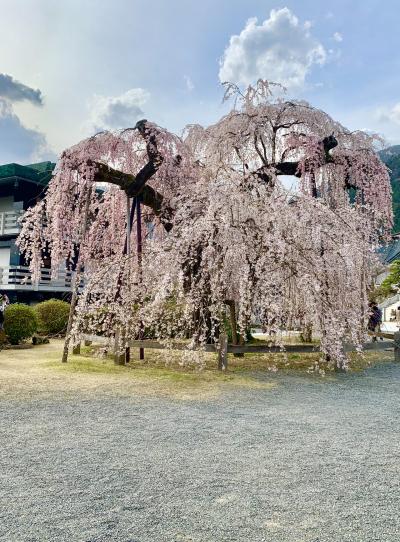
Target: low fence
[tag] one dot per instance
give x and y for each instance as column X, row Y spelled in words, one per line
column 223, row 348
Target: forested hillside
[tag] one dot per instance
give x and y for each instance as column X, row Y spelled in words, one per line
column 391, row 157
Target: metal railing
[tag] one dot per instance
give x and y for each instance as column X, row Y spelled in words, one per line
column 20, row 278
column 9, row 222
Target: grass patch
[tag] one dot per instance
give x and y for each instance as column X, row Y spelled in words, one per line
column 167, row 364
column 39, row 371
column 153, row 373
column 85, row 364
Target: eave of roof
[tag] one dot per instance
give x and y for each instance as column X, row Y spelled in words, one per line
column 39, row 174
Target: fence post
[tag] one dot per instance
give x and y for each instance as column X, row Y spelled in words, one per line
column 396, row 339
column 223, row 352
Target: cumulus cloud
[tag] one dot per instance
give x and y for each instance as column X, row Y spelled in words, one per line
column 280, row 49
column 115, row 112
column 337, row 36
column 14, row 91
column 18, row 143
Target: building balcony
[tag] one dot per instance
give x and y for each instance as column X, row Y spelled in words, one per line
column 9, row 222
column 20, row 278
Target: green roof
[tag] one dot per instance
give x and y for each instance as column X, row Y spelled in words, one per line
column 36, row 173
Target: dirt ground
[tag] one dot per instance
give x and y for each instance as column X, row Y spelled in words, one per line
column 38, row 372
column 91, row 452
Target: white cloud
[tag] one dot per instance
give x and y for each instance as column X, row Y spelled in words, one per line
column 189, row 83
column 18, row 143
column 395, row 113
column 14, row 91
column 280, row 49
column 337, row 36
column 115, row 112
column 389, row 114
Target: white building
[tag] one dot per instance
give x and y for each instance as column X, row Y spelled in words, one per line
column 20, row 188
column 389, row 306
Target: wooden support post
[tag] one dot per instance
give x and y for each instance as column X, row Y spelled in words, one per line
column 119, row 357
column 76, row 349
column 396, row 339
column 223, row 352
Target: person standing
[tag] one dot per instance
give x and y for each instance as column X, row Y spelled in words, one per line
column 397, row 318
column 375, row 320
column 4, row 301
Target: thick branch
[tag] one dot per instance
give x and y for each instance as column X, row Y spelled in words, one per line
column 135, row 185
column 292, row 168
column 155, row 159
column 150, row 197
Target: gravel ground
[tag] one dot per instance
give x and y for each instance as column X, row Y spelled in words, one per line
column 309, row 460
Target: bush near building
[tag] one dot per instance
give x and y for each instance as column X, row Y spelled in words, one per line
column 20, row 322
column 52, row 316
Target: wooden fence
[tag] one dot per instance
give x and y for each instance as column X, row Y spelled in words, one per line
column 223, row 348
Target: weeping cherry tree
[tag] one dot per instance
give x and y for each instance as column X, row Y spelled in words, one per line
column 223, row 237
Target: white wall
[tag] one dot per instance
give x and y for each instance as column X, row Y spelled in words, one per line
column 387, row 312
column 4, row 257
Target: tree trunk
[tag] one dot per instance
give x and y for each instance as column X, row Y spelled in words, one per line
column 306, row 333
column 77, row 281
column 236, row 337
column 74, row 302
column 119, row 357
column 139, row 259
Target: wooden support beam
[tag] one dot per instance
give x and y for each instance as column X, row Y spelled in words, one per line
column 223, row 352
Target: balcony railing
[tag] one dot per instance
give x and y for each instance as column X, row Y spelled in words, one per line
column 20, row 278
column 9, row 224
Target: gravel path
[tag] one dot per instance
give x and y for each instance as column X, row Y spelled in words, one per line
column 309, row 460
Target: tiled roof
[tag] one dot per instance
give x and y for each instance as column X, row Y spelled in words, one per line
column 390, row 252
column 37, row 173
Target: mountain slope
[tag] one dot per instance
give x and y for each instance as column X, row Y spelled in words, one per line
column 391, row 157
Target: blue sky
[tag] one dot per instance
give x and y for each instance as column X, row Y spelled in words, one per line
column 74, row 66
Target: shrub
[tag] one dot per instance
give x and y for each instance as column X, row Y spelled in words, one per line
column 20, row 322
column 52, row 316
